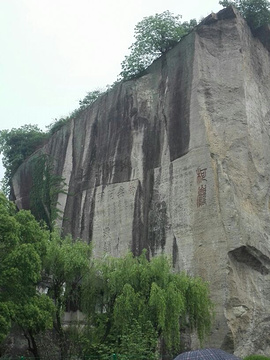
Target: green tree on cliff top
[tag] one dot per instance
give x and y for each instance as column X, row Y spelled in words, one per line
column 256, row 12
column 154, row 35
column 16, row 145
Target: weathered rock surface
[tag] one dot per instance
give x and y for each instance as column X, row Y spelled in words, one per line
column 177, row 161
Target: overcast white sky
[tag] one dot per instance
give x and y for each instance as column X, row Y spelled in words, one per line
column 52, row 52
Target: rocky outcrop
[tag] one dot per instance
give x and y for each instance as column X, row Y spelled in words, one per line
column 177, row 161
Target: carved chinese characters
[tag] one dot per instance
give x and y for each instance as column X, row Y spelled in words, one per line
column 201, row 182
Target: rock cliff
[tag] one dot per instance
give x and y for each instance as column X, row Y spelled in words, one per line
column 177, row 161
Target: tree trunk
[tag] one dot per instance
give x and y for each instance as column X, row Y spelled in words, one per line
column 32, row 345
column 59, row 329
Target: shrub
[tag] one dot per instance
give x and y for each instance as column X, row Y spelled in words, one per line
column 256, row 357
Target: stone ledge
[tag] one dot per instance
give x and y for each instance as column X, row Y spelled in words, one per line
column 224, row 14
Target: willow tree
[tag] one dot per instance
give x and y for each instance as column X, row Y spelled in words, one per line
column 134, row 304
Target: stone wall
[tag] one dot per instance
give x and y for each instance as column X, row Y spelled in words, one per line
column 177, row 161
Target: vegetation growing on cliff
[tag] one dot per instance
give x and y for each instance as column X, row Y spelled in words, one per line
column 256, row 12
column 88, row 100
column 154, row 36
column 16, row 145
column 46, row 186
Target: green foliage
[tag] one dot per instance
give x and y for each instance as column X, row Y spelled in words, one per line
column 88, row 100
column 138, row 342
column 16, row 145
column 57, row 124
column 256, row 357
column 122, row 295
column 5, row 322
column 198, row 305
column 30, row 259
column 132, row 305
column 45, row 190
column 154, row 35
column 36, row 315
column 256, row 12
column 23, row 245
column 65, row 265
column 91, row 97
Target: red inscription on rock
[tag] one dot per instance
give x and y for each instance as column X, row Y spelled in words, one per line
column 201, row 175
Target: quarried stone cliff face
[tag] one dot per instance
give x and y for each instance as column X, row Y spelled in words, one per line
column 177, row 162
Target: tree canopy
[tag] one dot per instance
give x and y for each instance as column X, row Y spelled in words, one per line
column 33, row 260
column 132, row 298
column 23, row 244
column 154, row 35
column 66, row 263
column 16, row 145
column 131, row 305
column 256, row 12
column 90, row 97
